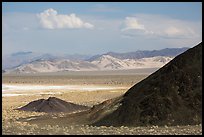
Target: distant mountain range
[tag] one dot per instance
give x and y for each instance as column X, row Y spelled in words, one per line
column 104, row 62
column 144, row 53
column 20, row 58
column 30, row 62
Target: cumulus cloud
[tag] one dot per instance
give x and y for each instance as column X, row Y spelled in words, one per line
column 50, row 19
column 132, row 23
column 133, row 27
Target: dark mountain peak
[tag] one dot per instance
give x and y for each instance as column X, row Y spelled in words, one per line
column 170, row 96
column 21, row 53
column 52, row 98
column 52, row 105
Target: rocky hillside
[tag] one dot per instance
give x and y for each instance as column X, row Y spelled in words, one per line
column 170, row 96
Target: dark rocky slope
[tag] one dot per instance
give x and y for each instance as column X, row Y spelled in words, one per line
column 170, row 96
column 52, row 105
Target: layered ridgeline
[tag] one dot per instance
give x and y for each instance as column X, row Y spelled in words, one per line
column 169, row 52
column 170, row 96
column 105, row 62
column 28, row 62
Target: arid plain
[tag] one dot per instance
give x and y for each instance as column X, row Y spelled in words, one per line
column 84, row 88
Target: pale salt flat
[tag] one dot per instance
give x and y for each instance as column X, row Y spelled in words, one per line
column 48, row 87
column 23, row 94
column 17, row 90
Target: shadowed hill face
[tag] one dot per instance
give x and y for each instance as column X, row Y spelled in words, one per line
column 170, row 96
column 52, row 105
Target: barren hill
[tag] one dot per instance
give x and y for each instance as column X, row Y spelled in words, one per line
column 52, row 105
column 170, row 96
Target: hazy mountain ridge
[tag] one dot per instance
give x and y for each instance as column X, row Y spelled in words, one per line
column 143, row 53
column 20, row 58
column 21, row 53
column 30, row 62
column 105, row 62
column 53, row 66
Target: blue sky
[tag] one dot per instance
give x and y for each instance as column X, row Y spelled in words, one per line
column 99, row 27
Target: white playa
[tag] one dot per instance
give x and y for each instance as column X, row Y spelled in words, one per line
column 17, row 90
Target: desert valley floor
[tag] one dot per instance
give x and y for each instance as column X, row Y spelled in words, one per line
column 85, row 88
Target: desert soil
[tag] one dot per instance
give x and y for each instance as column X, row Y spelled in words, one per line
column 89, row 90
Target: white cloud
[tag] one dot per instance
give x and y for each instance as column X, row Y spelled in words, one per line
column 132, row 23
column 133, row 27
column 50, row 19
column 158, row 26
column 172, row 31
column 178, row 32
column 159, row 32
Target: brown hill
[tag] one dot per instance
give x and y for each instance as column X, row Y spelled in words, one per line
column 170, row 96
column 52, row 105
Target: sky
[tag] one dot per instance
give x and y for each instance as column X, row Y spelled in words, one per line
column 91, row 28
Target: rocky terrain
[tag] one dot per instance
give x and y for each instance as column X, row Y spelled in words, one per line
column 170, row 96
column 167, row 102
